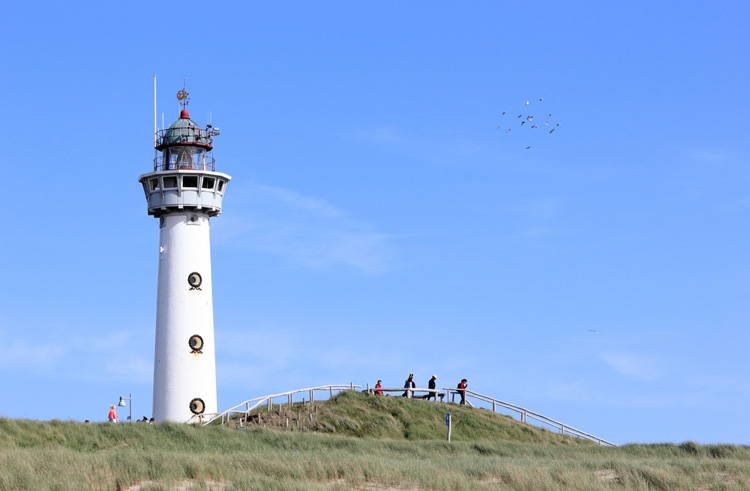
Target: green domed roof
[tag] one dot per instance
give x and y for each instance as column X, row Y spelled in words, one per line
column 184, row 132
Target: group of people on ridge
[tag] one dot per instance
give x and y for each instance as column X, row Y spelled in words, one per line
column 432, row 384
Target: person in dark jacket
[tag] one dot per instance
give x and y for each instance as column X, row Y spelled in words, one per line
column 431, row 385
column 461, row 389
column 409, row 384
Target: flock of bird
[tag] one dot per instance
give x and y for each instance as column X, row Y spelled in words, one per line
column 548, row 123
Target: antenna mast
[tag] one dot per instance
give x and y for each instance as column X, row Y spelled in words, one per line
column 156, row 137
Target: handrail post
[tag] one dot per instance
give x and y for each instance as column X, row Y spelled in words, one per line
column 312, row 396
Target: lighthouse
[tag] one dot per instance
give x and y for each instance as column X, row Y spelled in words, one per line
column 184, row 192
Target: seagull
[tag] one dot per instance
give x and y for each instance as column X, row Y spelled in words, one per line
column 592, row 330
column 558, row 124
column 546, row 123
column 549, row 116
column 520, row 115
column 508, row 131
column 541, row 99
column 528, row 147
column 523, row 123
column 534, row 126
column 527, row 103
column 529, row 118
column 498, row 127
column 504, row 113
column 551, row 130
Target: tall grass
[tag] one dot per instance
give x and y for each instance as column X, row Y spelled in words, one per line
column 69, row 455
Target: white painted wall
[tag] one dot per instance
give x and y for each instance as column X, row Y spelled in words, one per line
column 179, row 374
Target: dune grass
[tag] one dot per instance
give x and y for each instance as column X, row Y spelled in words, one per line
column 392, row 454
column 364, row 416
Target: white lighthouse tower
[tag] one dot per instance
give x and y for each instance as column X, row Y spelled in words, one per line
column 184, row 191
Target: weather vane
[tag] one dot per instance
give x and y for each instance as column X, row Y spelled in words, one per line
column 182, row 96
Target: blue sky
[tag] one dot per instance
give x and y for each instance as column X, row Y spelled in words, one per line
column 378, row 223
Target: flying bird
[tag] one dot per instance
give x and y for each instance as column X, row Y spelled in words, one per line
column 534, row 126
column 549, row 116
column 528, row 147
column 523, row 123
column 527, row 103
column 551, row 130
column 498, row 127
column 508, row 131
column 529, row 118
column 592, row 330
column 546, row 123
column 541, row 99
column 520, row 115
column 504, row 113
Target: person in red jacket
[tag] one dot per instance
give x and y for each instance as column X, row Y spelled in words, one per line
column 461, row 389
column 112, row 416
column 378, row 386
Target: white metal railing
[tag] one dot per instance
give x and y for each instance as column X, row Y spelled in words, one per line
column 525, row 414
column 409, row 393
column 247, row 406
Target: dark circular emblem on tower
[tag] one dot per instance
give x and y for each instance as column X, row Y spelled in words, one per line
column 195, row 280
column 197, row 406
column 196, row 343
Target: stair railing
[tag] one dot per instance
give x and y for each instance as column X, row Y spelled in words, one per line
column 525, row 414
column 244, row 408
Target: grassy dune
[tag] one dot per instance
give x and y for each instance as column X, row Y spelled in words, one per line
column 361, row 443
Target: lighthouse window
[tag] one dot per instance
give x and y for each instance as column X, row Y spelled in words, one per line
column 221, row 185
column 170, row 182
column 154, row 184
column 208, row 183
column 190, row 181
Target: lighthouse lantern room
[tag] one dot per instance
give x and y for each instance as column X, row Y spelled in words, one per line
column 184, row 191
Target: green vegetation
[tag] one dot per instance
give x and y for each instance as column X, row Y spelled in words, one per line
column 353, row 442
column 363, row 416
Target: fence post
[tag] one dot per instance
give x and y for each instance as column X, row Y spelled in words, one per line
column 312, row 396
column 270, row 404
column 494, row 410
column 330, row 388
